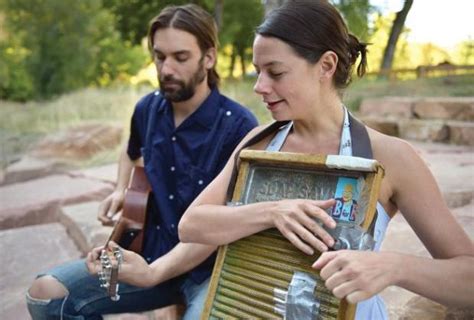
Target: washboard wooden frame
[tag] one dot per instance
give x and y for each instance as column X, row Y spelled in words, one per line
column 246, row 270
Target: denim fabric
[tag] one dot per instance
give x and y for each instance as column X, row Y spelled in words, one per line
column 87, row 300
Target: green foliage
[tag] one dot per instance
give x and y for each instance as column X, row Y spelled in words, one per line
column 356, row 14
column 240, row 18
column 70, row 44
column 15, row 81
column 133, row 15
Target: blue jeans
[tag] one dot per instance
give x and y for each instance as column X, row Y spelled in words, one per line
column 87, row 300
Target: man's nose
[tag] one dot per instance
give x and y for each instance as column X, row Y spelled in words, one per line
column 166, row 67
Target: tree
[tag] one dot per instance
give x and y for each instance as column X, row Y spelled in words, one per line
column 240, row 19
column 133, row 16
column 68, row 44
column 395, row 32
column 356, row 14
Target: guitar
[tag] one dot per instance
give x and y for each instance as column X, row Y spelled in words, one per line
column 110, row 260
column 127, row 233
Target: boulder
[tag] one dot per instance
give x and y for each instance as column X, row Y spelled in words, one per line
column 79, row 143
column 26, row 252
column 38, row 201
column 445, row 108
column 391, row 107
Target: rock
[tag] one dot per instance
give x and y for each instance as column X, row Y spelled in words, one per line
column 38, row 201
column 384, row 125
column 436, row 131
column 30, row 168
column 445, row 108
column 25, row 253
column 388, row 107
column 79, row 143
column 422, row 308
column 106, row 173
column 82, row 225
column 461, row 132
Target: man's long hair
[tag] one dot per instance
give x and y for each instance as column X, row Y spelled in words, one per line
column 194, row 20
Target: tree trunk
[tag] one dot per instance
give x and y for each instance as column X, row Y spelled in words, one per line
column 218, row 9
column 395, row 32
column 241, row 52
column 232, row 61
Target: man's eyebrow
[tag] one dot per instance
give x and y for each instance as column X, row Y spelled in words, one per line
column 156, row 50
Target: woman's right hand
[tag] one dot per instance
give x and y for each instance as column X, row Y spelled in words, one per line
column 110, row 206
column 296, row 220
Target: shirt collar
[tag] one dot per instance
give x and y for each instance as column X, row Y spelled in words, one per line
column 205, row 114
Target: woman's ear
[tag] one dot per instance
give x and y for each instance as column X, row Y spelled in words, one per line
column 210, row 58
column 328, row 65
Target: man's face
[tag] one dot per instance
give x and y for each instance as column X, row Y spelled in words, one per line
column 180, row 64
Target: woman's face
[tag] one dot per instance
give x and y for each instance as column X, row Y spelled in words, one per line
column 287, row 83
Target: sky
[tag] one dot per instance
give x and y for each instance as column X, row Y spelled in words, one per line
column 442, row 22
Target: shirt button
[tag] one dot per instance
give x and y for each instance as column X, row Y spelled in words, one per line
column 171, row 197
column 173, row 138
column 157, row 227
column 148, row 259
column 200, row 182
column 172, row 168
column 157, row 93
column 172, row 226
column 228, row 113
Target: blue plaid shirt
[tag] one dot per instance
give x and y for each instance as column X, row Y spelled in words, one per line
column 180, row 162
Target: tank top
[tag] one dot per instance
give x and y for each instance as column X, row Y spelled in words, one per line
column 372, row 308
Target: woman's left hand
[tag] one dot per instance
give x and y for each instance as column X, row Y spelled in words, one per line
column 357, row 275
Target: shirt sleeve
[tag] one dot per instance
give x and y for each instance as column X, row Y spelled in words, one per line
column 242, row 127
column 134, row 140
column 138, row 124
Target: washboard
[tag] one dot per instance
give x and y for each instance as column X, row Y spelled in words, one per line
column 256, row 277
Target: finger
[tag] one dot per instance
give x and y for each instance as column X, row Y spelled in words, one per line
column 114, row 208
column 344, row 289
column 316, row 210
column 309, row 238
column 323, row 259
column 358, row 296
column 338, row 278
column 103, row 208
column 316, row 229
column 293, row 238
column 332, row 266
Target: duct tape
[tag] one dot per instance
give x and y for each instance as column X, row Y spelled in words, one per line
column 300, row 300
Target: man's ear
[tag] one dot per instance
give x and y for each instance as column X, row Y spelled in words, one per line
column 328, row 64
column 210, row 58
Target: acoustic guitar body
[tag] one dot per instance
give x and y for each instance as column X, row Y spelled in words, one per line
column 129, row 231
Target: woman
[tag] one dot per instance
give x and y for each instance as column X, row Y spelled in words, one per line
column 303, row 55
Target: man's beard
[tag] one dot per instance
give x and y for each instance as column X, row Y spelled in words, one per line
column 185, row 91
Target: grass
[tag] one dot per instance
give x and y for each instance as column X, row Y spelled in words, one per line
column 22, row 124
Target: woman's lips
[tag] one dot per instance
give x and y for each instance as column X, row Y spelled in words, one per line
column 273, row 104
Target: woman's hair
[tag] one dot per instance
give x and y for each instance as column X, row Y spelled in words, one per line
column 194, row 20
column 313, row 27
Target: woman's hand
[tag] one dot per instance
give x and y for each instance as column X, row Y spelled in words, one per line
column 134, row 270
column 357, row 275
column 296, row 220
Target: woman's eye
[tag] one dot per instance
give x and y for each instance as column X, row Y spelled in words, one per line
column 275, row 74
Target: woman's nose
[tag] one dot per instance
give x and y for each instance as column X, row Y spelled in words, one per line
column 261, row 85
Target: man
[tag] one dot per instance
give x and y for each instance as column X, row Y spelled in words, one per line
column 183, row 134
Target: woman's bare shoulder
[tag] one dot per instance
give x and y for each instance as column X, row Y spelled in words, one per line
column 389, row 148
